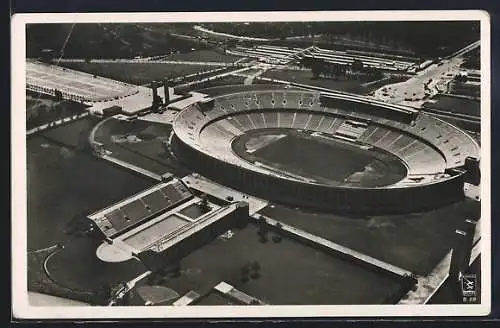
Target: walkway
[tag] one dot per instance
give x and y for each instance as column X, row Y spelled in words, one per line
column 227, row 35
column 39, row 299
column 57, row 123
column 145, row 61
column 204, row 185
column 425, row 83
column 131, row 167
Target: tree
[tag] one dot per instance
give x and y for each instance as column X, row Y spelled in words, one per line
column 317, row 68
column 377, row 74
column 204, row 205
column 277, row 239
column 255, row 275
column 58, row 95
column 255, row 266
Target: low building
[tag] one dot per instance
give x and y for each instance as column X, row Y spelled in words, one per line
column 162, row 224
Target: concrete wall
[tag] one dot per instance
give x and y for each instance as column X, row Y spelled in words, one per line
column 329, row 198
column 155, row 261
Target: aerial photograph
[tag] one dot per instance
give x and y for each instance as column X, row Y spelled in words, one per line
column 253, row 163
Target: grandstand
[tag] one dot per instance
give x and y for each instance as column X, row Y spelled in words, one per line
column 137, row 209
column 74, row 85
column 429, row 148
column 283, row 55
column 160, row 223
column 347, row 58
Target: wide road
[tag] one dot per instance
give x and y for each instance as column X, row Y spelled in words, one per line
column 145, row 61
column 426, row 82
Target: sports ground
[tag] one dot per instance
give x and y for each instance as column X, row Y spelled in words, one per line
column 65, row 179
column 326, row 161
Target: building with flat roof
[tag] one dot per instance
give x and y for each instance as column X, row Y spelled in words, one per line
column 162, row 224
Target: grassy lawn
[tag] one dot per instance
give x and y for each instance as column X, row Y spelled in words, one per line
column 306, row 77
column 281, row 270
column 149, row 153
column 39, row 281
column 138, row 73
column 64, row 182
column 42, row 109
column 455, row 105
column 214, row 91
column 416, row 241
column 204, row 56
column 465, row 89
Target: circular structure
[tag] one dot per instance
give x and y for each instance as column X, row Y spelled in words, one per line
column 112, row 253
column 330, row 151
column 157, row 295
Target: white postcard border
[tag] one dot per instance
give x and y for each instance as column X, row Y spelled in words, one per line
column 21, row 307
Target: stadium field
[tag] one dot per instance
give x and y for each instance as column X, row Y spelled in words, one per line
column 323, row 160
column 138, row 73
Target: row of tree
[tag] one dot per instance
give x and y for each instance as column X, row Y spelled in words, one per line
column 419, row 36
column 355, row 70
column 101, row 41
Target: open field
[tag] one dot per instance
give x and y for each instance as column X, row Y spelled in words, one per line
column 64, row 182
column 138, row 73
column 204, row 55
column 148, row 151
column 306, row 77
column 77, row 267
column 73, row 135
column 227, row 80
column 40, row 282
column 224, row 89
column 470, row 90
column 329, row 279
column 415, row 241
column 455, row 105
column 42, row 109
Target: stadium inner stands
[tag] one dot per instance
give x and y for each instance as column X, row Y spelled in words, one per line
column 137, row 209
column 74, row 85
column 427, row 146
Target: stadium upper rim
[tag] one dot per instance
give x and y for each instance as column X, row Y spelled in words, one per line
column 429, row 147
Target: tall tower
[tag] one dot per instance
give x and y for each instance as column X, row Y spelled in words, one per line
column 156, row 98
column 165, row 90
column 168, row 90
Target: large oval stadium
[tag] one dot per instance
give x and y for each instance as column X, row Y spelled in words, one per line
column 330, row 151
